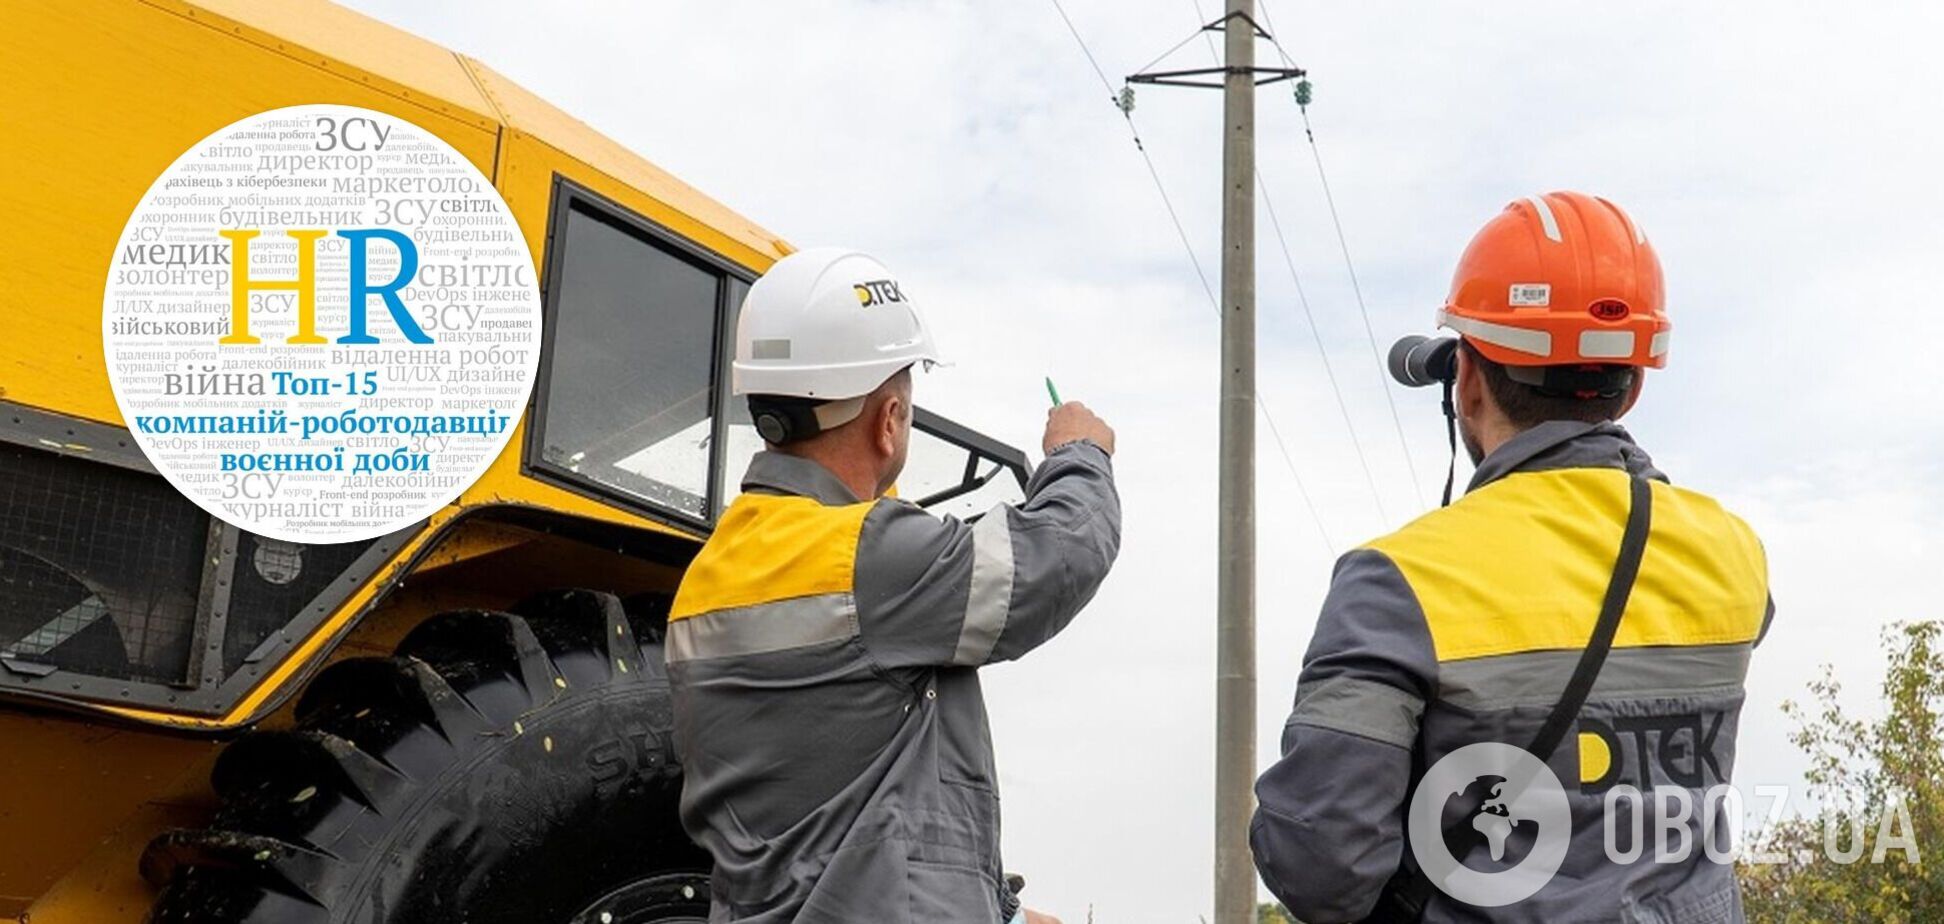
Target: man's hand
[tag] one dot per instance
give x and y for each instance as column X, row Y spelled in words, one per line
column 1072, row 421
column 1036, row 917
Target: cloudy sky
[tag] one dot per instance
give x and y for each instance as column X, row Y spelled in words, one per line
column 1781, row 156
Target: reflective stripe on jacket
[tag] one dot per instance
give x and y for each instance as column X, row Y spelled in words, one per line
column 823, row 655
column 1463, row 627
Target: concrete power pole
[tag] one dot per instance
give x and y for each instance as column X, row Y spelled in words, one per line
column 1235, row 681
column 1235, row 648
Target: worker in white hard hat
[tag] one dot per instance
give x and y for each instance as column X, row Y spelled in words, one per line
column 824, row 646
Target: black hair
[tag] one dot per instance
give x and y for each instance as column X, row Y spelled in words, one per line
column 1527, row 405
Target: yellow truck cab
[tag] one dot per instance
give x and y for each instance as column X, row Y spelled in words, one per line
column 463, row 720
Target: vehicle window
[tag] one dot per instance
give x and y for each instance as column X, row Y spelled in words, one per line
column 628, row 398
column 951, row 470
column 740, row 439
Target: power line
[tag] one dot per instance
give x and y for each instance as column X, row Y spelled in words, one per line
column 1134, row 131
column 1203, row 32
column 1104, row 82
column 1356, row 287
column 1370, row 478
column 1275, row 433
column 1370, row 334
column 1302, row 298
column 1127, row 114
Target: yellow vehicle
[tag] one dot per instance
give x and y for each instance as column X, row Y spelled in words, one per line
column 462, row 721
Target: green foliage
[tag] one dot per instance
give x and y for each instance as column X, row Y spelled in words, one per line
column 1860, row 770
column 1273, row 913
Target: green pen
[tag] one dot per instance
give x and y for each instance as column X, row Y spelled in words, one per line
column 1052, row 392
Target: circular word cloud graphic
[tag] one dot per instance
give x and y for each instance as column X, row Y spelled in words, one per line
column 321, row 324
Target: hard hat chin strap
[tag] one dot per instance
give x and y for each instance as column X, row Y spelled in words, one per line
column 1451, row 434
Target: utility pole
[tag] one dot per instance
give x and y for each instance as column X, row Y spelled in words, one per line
column 1235, row 650
column 1235, row 634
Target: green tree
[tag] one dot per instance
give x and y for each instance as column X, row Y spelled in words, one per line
column 1273, row 913
column 1860, row 773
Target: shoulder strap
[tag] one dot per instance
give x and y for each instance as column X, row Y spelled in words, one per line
column 1633, row 543
column 1410, row 890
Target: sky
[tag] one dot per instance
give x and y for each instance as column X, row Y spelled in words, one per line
column 1780, row 156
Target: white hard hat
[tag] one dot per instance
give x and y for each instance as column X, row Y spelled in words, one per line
column 826, row 323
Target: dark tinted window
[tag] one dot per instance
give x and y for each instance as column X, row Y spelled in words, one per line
column 628, row 402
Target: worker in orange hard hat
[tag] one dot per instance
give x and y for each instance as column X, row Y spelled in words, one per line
column 1561, row 281
column 1499, row 695
column 1560, row 293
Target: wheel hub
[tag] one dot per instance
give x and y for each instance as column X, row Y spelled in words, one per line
column 672, row 898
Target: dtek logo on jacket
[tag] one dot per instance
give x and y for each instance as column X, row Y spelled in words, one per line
column 1644, row 751
column 878, row 292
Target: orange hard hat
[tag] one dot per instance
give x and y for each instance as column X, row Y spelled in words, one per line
column 1560, row 279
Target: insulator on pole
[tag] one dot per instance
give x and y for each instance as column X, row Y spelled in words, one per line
column 1303, row 92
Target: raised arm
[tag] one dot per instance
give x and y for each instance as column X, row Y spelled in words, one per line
column 940, row 592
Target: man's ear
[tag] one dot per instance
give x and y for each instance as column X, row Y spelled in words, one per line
column 886, row 424
column 1470, row 394
column 1633, row 393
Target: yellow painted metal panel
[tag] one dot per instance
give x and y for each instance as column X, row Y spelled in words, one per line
column 130, row 85
column 340, row 40
column 652, row 190
column 103, row 887
column 68, row 783
column 100, row 97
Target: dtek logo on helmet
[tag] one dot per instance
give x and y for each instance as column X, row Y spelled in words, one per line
column 1502, row 798
column 878, row 292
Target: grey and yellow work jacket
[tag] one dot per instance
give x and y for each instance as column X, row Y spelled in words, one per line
column 1464, row 627
column 824, row 652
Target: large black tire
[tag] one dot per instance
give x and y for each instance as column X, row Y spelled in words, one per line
column 502, row 767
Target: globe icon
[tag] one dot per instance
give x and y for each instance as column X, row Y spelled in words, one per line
column 1486, row 819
